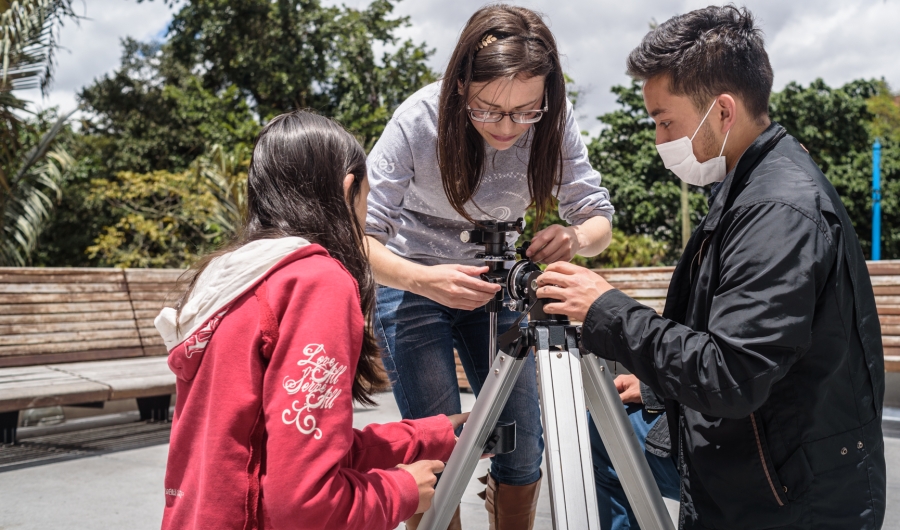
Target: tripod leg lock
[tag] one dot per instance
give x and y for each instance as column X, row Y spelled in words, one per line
column 502, row 439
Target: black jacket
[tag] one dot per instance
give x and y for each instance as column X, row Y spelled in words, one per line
column 768, row 353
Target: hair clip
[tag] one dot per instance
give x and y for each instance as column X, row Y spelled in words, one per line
column 485, row 42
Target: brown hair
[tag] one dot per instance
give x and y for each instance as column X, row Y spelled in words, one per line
column 295, row 188
column 707, row 52
column 523, row 47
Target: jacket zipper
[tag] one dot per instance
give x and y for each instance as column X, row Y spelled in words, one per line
column 762, row 459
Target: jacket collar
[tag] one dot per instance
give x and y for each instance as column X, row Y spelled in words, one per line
column 734, row 182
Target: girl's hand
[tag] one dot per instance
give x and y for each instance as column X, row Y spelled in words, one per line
column 458, row 419
column 424, row 472
column 456, row 286
column 554, row 243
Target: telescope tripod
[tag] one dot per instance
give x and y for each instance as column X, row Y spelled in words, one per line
column 567, row 376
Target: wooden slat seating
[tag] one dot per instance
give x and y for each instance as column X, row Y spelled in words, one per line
column 151, row 290
column 886, row 284
column 75, row 336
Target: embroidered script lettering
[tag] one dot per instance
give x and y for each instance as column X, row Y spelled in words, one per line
column 200, row 340
column 318, row 379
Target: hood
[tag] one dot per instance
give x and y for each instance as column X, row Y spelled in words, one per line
column 224, row 280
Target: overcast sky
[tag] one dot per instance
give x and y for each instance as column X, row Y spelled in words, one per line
column 837, row 40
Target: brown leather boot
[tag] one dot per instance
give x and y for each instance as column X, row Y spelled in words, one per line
column 510, row 507
column 413, row 522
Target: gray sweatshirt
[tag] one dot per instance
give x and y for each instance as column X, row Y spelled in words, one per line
column 409, row 212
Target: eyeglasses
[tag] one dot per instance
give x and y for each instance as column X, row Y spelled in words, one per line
column 491, row 116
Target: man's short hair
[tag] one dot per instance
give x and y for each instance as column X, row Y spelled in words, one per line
column 705, row 53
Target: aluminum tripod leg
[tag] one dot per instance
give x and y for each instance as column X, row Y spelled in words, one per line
column 622, row 445
column 573, row 498
column 493, row 396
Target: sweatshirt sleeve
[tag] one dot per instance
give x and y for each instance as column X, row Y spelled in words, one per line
column 390, row 166
column 403, row 442
column 320, row 473
column 580, row 196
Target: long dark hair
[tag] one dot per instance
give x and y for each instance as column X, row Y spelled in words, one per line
column 295, row 188
column 524, row 47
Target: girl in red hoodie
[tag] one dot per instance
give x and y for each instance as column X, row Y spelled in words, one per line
column 270, row 346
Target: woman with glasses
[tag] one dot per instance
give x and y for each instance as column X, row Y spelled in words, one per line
column 493, row 137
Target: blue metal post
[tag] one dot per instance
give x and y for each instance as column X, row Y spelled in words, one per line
column 876, row 201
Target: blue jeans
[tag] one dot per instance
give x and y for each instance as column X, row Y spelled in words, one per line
column 615, row 512
column 417, row 336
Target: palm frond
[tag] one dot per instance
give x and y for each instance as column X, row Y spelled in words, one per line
column 28, row 205
column 225, row 175
column 28, row 39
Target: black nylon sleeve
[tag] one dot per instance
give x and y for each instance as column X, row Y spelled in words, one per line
column 772, row 258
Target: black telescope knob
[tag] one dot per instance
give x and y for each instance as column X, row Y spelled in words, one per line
column 520, row 222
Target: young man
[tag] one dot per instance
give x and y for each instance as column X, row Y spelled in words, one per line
column 768, row 354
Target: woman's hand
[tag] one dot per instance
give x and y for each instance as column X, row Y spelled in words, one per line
column 554, row 243
column 423, row 472
column 456, row 286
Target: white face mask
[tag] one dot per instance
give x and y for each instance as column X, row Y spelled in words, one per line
column 678, row 156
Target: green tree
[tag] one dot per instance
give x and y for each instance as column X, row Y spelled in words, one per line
column 32, row 163
column 164, row 219
column 294, row 54
column 150, row 115
column 226, row 68
column 154, row 114
column 646, row 195
column 838, row 127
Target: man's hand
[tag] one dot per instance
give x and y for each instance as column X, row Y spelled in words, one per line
column 629, row 389
column 575, row 287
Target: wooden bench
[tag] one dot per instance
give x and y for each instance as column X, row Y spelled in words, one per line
column 76, row 336
column 82, row 336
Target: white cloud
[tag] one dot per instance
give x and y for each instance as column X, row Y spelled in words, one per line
column 91, row 47
column 833, row 39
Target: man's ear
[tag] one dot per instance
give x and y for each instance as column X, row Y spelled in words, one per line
column 726, row 111
column 348, row 182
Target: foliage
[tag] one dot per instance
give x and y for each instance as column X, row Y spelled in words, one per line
column 153, row 114
column 646, row 195
column 213, row 83
column 32, row 163
column 26, row 203
column 225, row 176
column 28, row 39
column 838, row 127
column 632, row 250
column 324, row 58
column 165, row 219
column 150, row 115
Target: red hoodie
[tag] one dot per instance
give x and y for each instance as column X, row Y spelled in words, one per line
column 262, row 435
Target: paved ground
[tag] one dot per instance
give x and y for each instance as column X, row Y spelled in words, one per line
column 123, row 490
